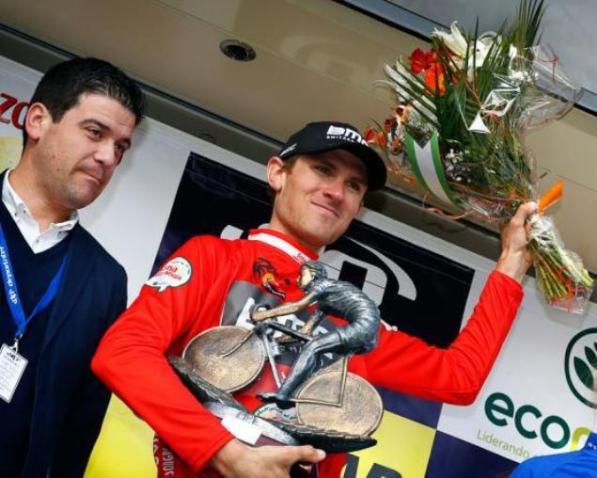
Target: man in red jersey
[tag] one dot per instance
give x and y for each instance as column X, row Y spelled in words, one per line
column 319, row 180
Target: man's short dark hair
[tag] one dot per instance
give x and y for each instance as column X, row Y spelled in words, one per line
column 61, row 87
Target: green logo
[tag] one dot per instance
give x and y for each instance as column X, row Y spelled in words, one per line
column 529, row 422
column 580, row 364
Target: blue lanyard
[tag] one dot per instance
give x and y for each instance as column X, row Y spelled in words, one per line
column 13, row 298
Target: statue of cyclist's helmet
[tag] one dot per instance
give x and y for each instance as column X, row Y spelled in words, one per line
column 310, row 271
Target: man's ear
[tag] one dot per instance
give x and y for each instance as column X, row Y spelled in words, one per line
column 276, row 173
column 37, row 120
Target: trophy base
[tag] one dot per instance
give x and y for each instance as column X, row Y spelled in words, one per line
column 248, row 428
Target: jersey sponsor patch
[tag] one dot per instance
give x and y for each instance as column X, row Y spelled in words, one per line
column 174, row 273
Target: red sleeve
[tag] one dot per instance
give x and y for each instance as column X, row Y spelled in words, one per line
column 456, row 374
column 131, row 359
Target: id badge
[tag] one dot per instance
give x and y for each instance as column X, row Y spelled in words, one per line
column 12, row 366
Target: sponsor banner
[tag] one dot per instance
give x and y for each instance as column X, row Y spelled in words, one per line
column 540, row 397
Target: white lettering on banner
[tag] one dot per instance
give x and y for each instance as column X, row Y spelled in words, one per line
column 406, row 286
column 375, row 281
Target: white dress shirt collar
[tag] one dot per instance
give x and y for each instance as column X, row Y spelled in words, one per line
column 18, row 210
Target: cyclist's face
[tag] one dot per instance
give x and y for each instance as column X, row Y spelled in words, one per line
column 317, row 196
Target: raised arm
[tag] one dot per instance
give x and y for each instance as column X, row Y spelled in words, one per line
column 456, row 374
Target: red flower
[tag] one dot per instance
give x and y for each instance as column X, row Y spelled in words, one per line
column 421, row 60
column 426, row 62
column 374, row 136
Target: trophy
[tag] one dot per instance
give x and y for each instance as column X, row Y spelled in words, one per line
column 332, row 409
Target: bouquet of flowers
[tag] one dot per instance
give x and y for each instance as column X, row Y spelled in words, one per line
column 457, row 129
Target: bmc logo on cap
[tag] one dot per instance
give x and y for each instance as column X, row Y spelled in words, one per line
column 347, row 134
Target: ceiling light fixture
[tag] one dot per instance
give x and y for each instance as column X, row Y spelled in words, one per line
column 237, row 50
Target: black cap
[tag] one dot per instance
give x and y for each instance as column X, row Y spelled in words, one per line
column 324, row 136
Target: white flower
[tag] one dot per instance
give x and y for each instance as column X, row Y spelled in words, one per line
column 457, row 43
column 455, row 40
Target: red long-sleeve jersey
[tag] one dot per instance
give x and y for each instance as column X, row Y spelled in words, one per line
column 211, row 281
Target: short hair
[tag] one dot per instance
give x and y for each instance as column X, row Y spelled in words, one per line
column 61, row 87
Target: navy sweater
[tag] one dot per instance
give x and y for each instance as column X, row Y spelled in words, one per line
column 33, row 273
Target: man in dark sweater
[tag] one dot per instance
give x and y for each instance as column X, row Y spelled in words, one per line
column 61, row 289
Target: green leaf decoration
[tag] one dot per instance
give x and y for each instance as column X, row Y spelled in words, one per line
column 584, row 373
column 591, row 357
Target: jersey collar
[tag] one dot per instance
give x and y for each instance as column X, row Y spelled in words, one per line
column 284, row 243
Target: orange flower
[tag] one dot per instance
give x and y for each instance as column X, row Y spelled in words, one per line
column 369, row 134
column 435, row 79
column 374, row 136
column 426, row 62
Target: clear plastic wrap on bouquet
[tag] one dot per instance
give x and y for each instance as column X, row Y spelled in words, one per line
column 559, row 273
column 550, row 94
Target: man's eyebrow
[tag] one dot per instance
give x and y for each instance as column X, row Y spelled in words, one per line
column 98, row 123
column 326, row 161
column 104, row 127
column 360, row 178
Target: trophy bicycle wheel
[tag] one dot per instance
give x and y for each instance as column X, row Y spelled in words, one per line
column 209, row 355
column 359, row 413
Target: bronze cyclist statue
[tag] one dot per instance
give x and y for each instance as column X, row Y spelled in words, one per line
column 339, row 298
